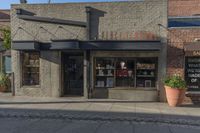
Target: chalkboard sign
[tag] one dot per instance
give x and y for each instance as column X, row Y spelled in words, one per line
column 192, row 73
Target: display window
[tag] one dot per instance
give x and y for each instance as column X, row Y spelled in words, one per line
column 125, row 72
column 146, row 71
column 125, row 69
column 30, row 68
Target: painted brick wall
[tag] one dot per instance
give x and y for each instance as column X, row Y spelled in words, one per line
column 184, row 7
column 119, row 17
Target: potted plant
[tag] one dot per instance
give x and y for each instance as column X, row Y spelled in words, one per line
column 175, row 88
column 4, row 82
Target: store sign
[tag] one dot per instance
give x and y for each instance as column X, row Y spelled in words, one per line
column 192, row 73
column 196, row 53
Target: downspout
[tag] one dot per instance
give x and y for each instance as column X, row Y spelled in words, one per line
column 88, row 23
column 88, row 37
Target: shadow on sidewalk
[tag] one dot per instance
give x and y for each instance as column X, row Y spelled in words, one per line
column 73, row 114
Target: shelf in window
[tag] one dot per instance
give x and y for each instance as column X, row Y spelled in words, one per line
column 104, row 75
column 31, row 72
column 32, row 66
column 146, row 69
column 146, row 76
column 106, row 69
column 125, row 69
column 104, row 87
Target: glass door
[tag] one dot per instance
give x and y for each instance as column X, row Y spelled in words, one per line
column 73, row 74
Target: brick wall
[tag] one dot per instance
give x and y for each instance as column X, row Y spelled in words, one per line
column 178, row 37
column 184, row 7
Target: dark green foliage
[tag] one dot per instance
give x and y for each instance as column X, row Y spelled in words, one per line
column 4, row 80
column 6, row 38
column 175, row 81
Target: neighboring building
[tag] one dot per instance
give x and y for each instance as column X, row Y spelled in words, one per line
column 5, row 56
column 184, row 43
column 92, row 50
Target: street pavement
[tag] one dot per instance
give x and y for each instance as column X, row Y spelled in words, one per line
column 19, row 125
column 37, row 115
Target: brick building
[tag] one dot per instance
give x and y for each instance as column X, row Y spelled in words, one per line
column 183, row 42
column 92, row 50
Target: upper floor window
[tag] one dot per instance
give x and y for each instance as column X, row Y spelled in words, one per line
column 176, row 22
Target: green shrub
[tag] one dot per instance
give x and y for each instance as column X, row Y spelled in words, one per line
column 6, row 38
column 4, row 80
column 175, row 81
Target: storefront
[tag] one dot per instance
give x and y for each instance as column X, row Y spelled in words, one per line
column 126, row 70
column 104, row 57
column 128, row 75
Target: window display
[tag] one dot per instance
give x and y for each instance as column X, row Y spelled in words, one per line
column 146, row 72
column 30, row 68
column 104, row 74
column 125, row 72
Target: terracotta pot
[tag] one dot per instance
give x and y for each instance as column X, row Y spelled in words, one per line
column 175, row 96
column 3, row 89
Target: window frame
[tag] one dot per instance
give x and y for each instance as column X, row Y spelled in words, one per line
column 22, row 69
column 135, row 60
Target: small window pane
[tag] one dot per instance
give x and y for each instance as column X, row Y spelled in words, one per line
column 146, row 72
column 125, row 72
column 104, row 74
column 30, row 68
column 7, row 64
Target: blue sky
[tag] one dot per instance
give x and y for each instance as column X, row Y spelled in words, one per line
column 5, row 4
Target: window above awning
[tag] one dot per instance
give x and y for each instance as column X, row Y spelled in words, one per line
column 87, row 45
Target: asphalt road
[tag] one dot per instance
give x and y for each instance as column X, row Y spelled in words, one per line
column 35, row 125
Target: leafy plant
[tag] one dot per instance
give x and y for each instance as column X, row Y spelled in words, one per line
column 4, row 80
column 175, row 81
column 6, row 38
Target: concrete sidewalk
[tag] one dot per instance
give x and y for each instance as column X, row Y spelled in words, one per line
column 103, row 110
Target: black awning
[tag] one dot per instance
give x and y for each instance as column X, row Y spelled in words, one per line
column 121, row 45
column 64, row 44
column 87, row 45
column 25, row 45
